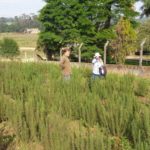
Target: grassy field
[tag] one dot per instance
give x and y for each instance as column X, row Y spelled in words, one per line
column 82, row 114
column 23, row 40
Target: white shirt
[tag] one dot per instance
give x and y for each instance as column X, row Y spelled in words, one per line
column 96, row 65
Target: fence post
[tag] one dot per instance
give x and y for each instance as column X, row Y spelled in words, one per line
column 80, row 52
column 105, row 51
column 60, row 54
column 141, row 52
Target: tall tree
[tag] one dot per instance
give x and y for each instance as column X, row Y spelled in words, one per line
column 125, row 41
column 144, row 32
column 71, row 22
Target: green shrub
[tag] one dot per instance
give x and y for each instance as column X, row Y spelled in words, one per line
column 142, row 87
column 9, row 48
column 76, row 115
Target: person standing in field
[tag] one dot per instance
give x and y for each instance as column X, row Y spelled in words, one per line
column 97, row 66
column 65, row 64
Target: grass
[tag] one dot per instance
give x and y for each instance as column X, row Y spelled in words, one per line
column 136, row 62
column 23, row 40
column 81, row 114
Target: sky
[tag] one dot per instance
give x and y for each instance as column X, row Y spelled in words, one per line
column 138, row 6
column 11, row 8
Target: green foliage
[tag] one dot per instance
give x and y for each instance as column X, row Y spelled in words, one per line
column 9, row 48
column 144, row 32
column 19, row 23
column 81, row 114
column 70, row 22
column 146, row 8
column 141, row 88
column 124, row 43
column 126, row 144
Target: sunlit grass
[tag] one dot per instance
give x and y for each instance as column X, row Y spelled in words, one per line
column 23, row 40
column 81, row 114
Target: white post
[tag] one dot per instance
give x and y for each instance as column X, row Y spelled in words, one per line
column 80, row 52
column 105, row 51
column 60, row 53
column 141, row 52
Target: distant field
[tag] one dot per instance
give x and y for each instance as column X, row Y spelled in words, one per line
column 23, row 40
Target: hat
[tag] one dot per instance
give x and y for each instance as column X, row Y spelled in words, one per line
column 97, row 54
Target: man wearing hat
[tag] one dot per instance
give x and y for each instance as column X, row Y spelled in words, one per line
column 97, row 66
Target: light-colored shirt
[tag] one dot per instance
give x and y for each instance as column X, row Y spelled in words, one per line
column 97, row 64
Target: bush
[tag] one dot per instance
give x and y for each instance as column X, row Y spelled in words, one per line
column 9, row 48
column 74, row 115
column 142, row 87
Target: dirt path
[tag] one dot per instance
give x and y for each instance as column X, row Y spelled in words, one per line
column 27, row 48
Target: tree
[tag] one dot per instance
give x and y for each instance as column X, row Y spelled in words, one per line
column 72, row 22
column 146, row 8
column 19, row 23
column 124, row 43
column 9, row 48
column 144, row 32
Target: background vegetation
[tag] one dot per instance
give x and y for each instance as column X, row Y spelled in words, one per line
column 71, row 23
column 19, row 23
column 8, row 48
column 144, row 32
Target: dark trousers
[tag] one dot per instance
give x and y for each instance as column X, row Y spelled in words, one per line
column 96, row 76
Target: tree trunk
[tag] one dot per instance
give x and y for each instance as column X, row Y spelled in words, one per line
column 141, row 52
column 105, row 52
column 108, row 22
column 49, row 55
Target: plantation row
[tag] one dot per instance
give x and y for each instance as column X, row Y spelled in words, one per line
column 82, row 114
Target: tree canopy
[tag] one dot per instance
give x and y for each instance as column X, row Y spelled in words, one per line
column 125, row 41
column 144, row 32
column 72, row 22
